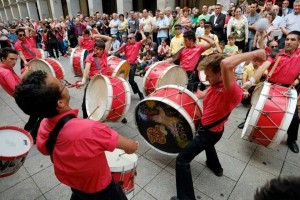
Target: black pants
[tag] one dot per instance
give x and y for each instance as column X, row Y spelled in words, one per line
column 112, row 192
column 205, row 140
column 134, row 86
column 193, row 81
column 51, row 47
column 241, row 45
column 4, row 43
column 22, row 63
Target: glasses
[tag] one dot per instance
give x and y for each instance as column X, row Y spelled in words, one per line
column 64, row 83
column 21, row 35
column 130, row 38
column 274, row 47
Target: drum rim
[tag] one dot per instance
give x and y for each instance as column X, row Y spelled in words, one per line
column 82, row 59
column 45, row 62
column 251, row 121
column 148, row 72
column 126, row 168
column 206, row 83
column 128, row 98
column 22, row 131
column 114, row 74
column 59, row 65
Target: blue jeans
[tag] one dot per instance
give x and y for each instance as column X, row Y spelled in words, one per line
column 250, row 43
column 205, row 140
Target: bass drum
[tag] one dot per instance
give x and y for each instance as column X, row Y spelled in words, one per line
column 49, row 65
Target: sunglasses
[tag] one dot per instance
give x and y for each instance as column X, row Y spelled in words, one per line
column 274, row 47
column 21, row 35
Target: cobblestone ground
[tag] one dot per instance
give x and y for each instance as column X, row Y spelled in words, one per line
column 246, row 165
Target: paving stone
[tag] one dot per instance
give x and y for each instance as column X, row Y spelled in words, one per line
column 146, row 171
column 59, row 192
column 196, row 168
column 233, row 121
column 290, row 169
column 41, row 198
column 251, row 179
column 143, row 146
column 25, row 190
column 236, row 137
column 9, row 181
column 266, row 162
column 228, row 131
column 127, row 131
column 163, row 186
column 33, row 151
column 46, row 174
column 158, row 158
column 279, row 152
column 143, row 195
column 293, row 158
column 213, row 186
column 200, row 196
column 37, row 163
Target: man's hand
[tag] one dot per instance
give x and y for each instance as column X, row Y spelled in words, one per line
column 259, row 55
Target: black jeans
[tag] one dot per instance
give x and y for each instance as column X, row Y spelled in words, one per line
column 134, row 86
column 51, row 47
column 193, row 81
column 112, row 192
column 205, row 140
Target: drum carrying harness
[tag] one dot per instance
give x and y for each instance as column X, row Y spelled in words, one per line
column 54, row 133
column 209, row 126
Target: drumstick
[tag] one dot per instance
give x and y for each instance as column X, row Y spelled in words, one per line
column 121, row 154
column 93, row 112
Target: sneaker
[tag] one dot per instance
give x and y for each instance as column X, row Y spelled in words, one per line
column 124, row 121
column 217, row 172
column 141, row 96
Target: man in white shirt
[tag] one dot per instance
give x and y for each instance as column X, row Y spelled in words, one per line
column 113, row 24
column 146, row 23
column 4, row 42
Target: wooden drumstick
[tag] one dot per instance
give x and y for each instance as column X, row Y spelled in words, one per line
column 93, row 112
column 121, row 154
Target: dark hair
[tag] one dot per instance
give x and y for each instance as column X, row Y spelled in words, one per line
column 203, row 20
column 121, row 15
column 174, row 12
column 190, row 35
column 100, row 44
column 212, row 62
column 5, row 51
column 19, row 31
column 295, row 33
column 273, row 15
column 35, row 97
column 86, row 32
column 279, row 188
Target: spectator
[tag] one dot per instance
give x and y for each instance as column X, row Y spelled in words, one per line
column 122, row 28
column 173, row 22
column 215, row 48
column 4, row 41
column 205, row 15
column 267, row 8
column 218, row 21
column 163, row 50
column 133, row 23
column 152, row 45
column 200, row 29
column 146, row 23
column 115, row 44
column 162, row 25
column 231, row 48
column 113, row 24
column 285, row 8
column 185, row 21
column 79, row 27
column 177, row 42
column 252, row 18
column 51, row 42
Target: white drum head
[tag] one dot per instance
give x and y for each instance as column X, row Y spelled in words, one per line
column 13, row 143
column 119, row 161
column 39, row 64
column 174, row 75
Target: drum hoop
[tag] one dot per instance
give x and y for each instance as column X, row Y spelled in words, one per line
column 42, row 53
column 45, row 62
column 128, row 97
column 114, row 73
column 22, row 131
column 122, row 169
column 71, row 60
column 149, row 71
column 168, row 69
column 109, row 97
column 59, row 65
column 82, row 59
column 130, row 194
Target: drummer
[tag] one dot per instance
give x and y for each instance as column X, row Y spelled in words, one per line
column 285, row 74
column 78, row 157
column 9, row 79
column 25, row 46
column 223, row 95
column 87, row 40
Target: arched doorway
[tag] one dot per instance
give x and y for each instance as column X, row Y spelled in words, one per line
column 139, row 5
column 109, row 7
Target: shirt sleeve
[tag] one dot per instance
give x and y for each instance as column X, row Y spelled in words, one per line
column 106, row 137
column 8, row 82
column 89, row 58
column 18, row 47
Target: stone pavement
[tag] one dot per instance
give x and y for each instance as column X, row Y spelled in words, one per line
column 246, row 165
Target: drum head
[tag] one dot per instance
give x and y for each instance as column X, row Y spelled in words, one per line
column 97, row 97
column 123, row 69
column 162, row 126
column 38, row 64
column 14, row 142
column 119, row 161
column 174, row 75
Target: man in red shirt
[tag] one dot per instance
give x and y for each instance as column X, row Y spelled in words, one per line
column 9, row 79
column 78, row 152
column 223, row 95
column 190, row 56
column 131, row 50
column 87, row 41
column 286, row 74
column 24, row 46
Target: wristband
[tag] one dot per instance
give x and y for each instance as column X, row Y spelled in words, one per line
column 252, row 80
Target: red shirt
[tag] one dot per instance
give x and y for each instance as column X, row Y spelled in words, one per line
column 8, row 79
column 78, row 157
column 189, row 57
column 288, row 68
column 131, row 51
column 102, row 61
column 87, row 43
column 218, row 102
column 29, row 44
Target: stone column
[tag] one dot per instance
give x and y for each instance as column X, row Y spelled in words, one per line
column 31, row 7
column 43, row 9
column 14, row 9
column 2, row 14
column 73, row 7
column 22, row 10
column 124, row 6
column 56, row 9
column 162, row 4
column 95, row 6
column 8, row 13
column 225, row 4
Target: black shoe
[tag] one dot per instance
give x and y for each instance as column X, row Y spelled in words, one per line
column 174, row 198
column 293, row 146
column 217, row 172
column 141, row 96
column 124, row 121
column 241, row 125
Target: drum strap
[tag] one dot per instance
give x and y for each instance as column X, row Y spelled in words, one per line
column 54, row 133
column 97, row 62
column 209, row 126
column 27, row 49
column 274, row 66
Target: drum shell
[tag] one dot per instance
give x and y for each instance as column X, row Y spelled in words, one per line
column 11, row 164
column 112, row 96
column 272, row 110
column 161, row 74
column 49, row 65
column 118, row 67
column 40, row 53
column 77, row 61
column 172, row 132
